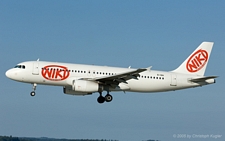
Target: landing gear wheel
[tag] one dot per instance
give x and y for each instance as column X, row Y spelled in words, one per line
column 101, row 99
column 108, row 98
column 32, row 93
column 34, row 88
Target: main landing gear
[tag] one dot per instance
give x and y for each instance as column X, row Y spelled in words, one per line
column 102, row 99
column 34, row 88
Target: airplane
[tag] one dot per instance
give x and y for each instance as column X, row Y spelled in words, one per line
column 80, row 79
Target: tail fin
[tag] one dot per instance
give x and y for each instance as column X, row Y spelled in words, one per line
column 197, row 62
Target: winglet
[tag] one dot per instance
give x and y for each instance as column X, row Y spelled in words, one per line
column 148, row 68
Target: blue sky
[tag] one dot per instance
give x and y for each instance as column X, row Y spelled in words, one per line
column 161, row 34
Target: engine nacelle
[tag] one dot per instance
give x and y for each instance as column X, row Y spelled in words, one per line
column 82, row 87
column 69, row 90
column 85, row 86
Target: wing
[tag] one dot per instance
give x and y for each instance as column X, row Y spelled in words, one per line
column 114, row 80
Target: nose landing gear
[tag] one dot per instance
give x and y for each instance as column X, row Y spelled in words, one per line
column 34, row 88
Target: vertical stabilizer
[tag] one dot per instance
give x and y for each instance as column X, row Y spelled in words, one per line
column 197, row 62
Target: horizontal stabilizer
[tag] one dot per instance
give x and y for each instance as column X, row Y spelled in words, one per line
column 202, row 79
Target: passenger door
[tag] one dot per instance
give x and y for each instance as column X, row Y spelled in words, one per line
column 35, row 68
column 173, row 80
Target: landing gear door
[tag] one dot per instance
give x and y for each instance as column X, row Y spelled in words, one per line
column 35, row 69
column 173, row 80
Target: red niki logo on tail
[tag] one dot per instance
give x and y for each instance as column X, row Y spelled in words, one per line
column 55, row 72
column 197, row 61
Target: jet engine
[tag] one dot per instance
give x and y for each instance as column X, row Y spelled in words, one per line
column 82, row 87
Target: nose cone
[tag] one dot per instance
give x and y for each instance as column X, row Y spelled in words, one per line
column 14, row 74
column 8, row 73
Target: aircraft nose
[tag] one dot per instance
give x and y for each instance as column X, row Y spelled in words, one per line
column 8, row 74
column 13, row 74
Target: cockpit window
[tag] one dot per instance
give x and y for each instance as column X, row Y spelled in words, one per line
column 17, row 66
column 20, row 66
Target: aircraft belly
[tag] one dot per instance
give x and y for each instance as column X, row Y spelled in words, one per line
column 148, row 86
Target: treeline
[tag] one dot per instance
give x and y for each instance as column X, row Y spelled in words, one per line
column 10, row 138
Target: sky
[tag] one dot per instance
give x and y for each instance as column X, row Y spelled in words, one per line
column 161, row 34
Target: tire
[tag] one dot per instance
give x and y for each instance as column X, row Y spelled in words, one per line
column 32, row 93
column 101, row 99
column 108, row 98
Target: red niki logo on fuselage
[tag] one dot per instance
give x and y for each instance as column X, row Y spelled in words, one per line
column 197, row 61
column 55, row 72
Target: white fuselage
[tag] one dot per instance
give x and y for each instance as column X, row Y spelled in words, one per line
column 148, row 81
